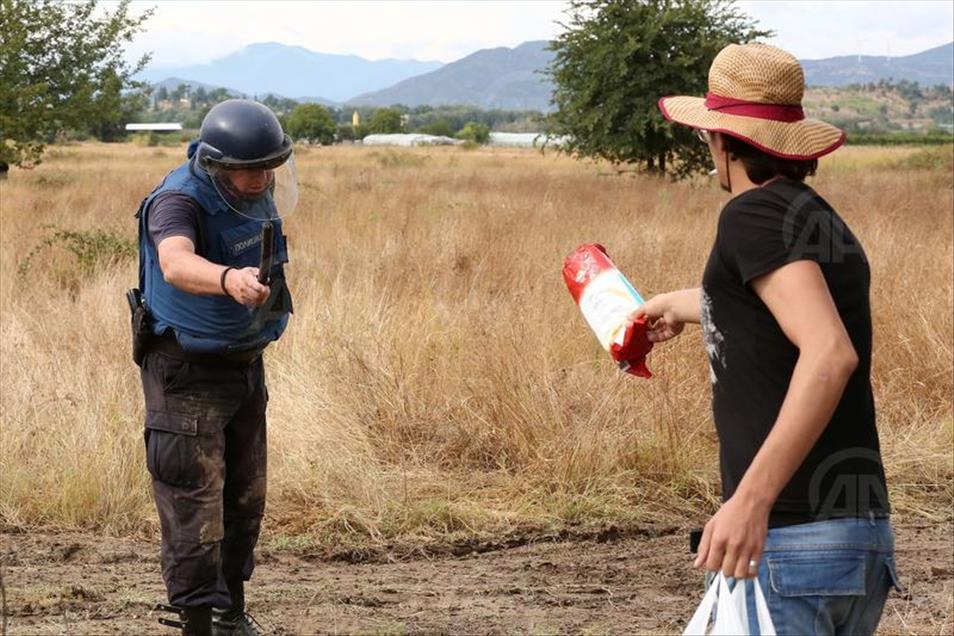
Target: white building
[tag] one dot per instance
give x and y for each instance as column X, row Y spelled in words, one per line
column 154, row 127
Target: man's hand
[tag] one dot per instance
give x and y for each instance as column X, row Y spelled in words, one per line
column 734, row 537
column 243, row 286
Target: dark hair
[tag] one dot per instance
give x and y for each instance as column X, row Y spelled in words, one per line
column 761, row 166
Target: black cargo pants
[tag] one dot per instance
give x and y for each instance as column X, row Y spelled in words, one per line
column 206, row 452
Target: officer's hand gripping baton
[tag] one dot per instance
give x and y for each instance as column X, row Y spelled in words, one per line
column 265, row 262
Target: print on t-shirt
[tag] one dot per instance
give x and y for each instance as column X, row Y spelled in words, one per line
column 712, row 337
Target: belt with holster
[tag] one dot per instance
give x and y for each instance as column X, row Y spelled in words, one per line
column 144, row 341
column 167, row 345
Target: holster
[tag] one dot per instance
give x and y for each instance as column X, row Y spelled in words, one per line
column 139, row 322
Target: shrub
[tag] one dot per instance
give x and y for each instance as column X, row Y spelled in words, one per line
column 441, row 127
column 93, row 249
column 899, row 139
column 386, row 121
column 477, row 133
column 346, row 132
column 312, row 122
column 938, row 158
column 392, row 159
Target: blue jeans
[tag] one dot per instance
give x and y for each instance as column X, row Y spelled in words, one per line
column 827, row 577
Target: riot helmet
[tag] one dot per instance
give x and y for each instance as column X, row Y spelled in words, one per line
column 249, row 159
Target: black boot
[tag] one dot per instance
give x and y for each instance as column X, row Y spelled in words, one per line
column 236, row 596
column 198, row 621
column 224, row 623
column 234, row 621
column 191, row 621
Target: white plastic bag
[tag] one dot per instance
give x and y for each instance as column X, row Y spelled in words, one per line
column 731, row 615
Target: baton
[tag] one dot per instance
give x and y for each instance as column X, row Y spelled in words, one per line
column 265, row 262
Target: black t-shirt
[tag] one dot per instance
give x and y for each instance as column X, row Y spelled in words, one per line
column 175, row 214
column 752, row 361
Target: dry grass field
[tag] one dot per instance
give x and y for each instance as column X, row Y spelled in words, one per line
column 437, row 384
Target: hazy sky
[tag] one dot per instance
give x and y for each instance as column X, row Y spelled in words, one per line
column 190, row 31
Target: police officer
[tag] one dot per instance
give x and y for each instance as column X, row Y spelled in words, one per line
column 211, row 313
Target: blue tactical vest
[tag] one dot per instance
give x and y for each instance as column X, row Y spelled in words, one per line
column 213, row 324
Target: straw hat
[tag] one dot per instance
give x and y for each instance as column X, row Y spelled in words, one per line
column 755, row 94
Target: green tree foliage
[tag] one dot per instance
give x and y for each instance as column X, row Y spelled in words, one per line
column 114, row 108
column 882, row 107
column 279, row 105
column 456, row 115
column 62, row 67
column 441, row 127
column 902, row 138
column 385, row 121
column 167, row 107
column 346, row 132
column 312, row 122
column 474, row 132
column 616, row 58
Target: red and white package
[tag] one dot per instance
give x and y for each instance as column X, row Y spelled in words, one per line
column 606, row 300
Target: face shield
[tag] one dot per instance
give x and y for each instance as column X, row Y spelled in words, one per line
column 260, row 190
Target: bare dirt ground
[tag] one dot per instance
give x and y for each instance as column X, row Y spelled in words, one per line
column 619, row 582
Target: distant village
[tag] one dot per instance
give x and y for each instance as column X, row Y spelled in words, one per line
column 178, row 109
column 871, row 110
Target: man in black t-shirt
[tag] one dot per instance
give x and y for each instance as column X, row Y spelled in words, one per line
column 786, row 321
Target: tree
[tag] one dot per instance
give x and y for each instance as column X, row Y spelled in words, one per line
column 312, row 122
column 346, row 132
column 474, row 132
column 113, row 109
column 218, row 95
column 60, row 63
column 280, row 104
column 616, row 58
column 386, row 121
column 193, row 119
column 441, row 128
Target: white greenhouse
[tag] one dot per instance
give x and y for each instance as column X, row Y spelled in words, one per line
column 524, row 140
column 407, row 140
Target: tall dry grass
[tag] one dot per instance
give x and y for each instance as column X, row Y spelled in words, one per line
column 436, row 379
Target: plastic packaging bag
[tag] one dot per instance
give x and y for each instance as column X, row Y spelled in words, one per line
column 606, row 299
column 731, row 612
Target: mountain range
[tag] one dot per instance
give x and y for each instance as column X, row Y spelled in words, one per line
column 927, row 68
column 500, row 77
column 295, row 72
column 510, row 79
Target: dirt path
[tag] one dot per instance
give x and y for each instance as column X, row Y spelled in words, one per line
column 620, row 583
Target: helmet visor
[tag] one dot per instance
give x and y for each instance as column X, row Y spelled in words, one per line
column 259, row 194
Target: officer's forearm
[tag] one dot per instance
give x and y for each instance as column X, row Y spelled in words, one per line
column 187, row 271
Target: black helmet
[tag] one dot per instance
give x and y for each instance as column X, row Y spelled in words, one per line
column 239, row 134
column 242, row 134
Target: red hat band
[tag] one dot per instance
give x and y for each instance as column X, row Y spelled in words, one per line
column 758, row 110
